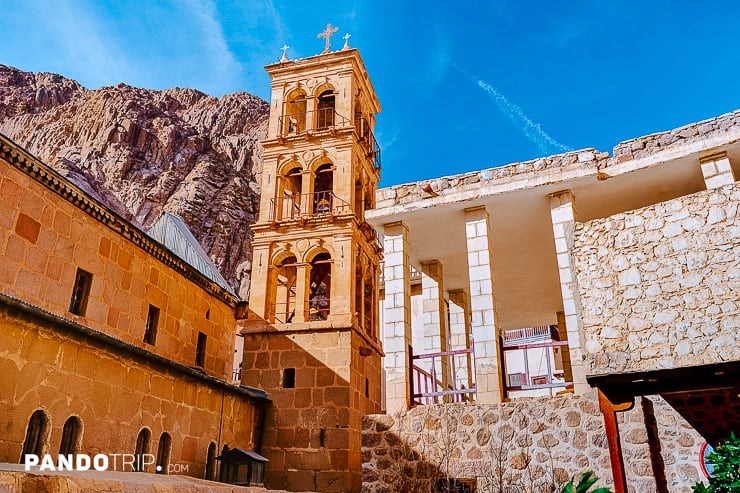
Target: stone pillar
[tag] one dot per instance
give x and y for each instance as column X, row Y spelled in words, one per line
column 301, row 292
column 434, row 317
column 717, row 170
column 460, row 337
column 306, row 198
column 483, row 306
column 563, row 216
column 565, row 350
column 397, row 316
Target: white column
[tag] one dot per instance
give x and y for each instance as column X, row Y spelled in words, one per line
column 397, row 316
column 563, row 216
column 483, row 306
column 434, row 317
column 717, row 170
column 460, row 337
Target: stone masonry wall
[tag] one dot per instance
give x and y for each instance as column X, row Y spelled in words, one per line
column 540, row 442
column 660, row 286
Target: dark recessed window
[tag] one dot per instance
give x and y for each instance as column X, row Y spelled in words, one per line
column 163, row 453
column 289, row 378
column 367, row 388
column 80, row 292
column 152, row 321
column 70, row 436
column 200, row 349
column 35, row 435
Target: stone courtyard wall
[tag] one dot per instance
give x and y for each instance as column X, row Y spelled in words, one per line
column 660, row 286
column 535, row 441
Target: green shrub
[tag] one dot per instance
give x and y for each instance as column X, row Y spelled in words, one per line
column 726, row 473
column 584, row 484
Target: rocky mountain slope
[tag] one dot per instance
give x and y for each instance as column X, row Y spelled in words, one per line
column 142, row 152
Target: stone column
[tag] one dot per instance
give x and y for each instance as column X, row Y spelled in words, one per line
column 434, row 317
column 460, row 337
column 483, row 306
column 397, row 316
column 305, row 201
column 301, row 292
column 717, row 170
column 563, row 216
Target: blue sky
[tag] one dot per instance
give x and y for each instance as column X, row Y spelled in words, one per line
column 464, row 85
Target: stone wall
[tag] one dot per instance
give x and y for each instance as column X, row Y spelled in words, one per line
column 660, row 285
column 588, row 159
column 688, row 134
column 540, row 442
column 115, row 390
column 49, row 229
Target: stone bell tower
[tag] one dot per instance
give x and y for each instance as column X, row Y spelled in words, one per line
column 311, row 335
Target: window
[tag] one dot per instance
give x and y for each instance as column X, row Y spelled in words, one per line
column 70, row 436
column 200, row 349
column 80, row 292
column 284, row 291
column 35, row 435
column 325, row 115
column 142, row 447
column 289, row 378
column 152, row 321
column 211, row 462
column 319, row 300
column 163, row 453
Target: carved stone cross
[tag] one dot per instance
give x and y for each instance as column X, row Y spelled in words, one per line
column 346, row 41
column 327, row 34
column 285, row 50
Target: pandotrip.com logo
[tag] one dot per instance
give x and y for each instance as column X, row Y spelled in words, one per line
column 100, row 462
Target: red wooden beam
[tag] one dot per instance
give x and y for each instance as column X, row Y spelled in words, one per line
column 610, row 410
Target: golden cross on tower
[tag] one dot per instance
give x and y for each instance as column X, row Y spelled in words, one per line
column 327, row 34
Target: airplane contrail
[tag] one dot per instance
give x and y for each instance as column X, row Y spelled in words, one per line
column 531, row 130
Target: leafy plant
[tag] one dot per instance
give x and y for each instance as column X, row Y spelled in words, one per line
column 726, row 473
column 584, row 484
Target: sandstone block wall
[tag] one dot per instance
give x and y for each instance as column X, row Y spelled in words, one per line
column 45, row 237
column 660, row 286
column 312, row 428
column 114, row 394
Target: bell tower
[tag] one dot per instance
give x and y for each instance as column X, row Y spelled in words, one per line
column 311, row 337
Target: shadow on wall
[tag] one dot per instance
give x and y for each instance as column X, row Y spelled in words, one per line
column 530, row 445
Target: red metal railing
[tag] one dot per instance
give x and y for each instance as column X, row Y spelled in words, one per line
column 526, row 380
column 426, row 386
column 307, row 205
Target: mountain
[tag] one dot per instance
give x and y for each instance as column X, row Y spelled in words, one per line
column 143, row 152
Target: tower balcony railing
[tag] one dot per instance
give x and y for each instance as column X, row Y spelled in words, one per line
column 297, row 124
column 531, row 334
column 307, row 205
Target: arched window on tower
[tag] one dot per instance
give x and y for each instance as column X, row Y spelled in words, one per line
column 163, row 453
column 36, row 432
column 359, row 304
column 70, row 436
column 142, row 448
column 325, row 110
column 290, row 194
column 323, row 186
column 369, row 301
column 319, row 298
column 294, row 121
column 284, row 291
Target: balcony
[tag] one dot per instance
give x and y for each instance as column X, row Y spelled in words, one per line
column 307, row 206
column 302, row 124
